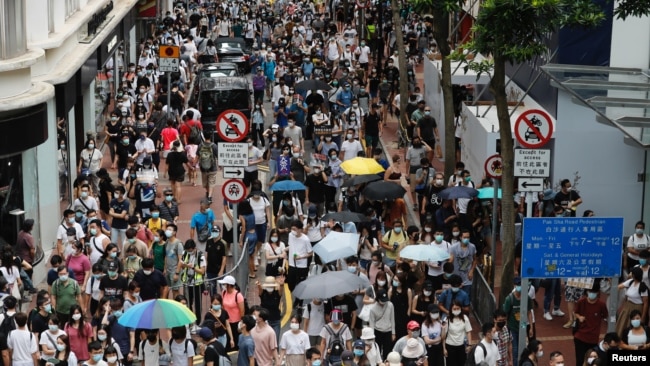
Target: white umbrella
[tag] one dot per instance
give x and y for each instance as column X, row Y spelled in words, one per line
column 424, row 253
column 337, row 245
column 330, row 284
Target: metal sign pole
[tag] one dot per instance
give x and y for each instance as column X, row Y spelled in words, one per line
column 612, row 303
column 169, row 94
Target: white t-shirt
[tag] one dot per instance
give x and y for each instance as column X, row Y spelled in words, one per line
column 345, row 335
column 23, row 344
column 89, row 203
column 351, row 149
column 435, row 268
column 313, row 230
column 259, row 210
column 179, row 357
column 632, row 292
column 316, row 315
column 462, row 203
column 92, row 288
column 95, row 247
column 274, row 251
column 10, row 277
column 91, row 159
column 295, row 344
column 637, row 244
column 457, row 330
column 49, row 339
column 253, row 154
column 300, row 246
column 490, row 355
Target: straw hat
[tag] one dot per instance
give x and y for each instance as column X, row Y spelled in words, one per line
column 269, row 281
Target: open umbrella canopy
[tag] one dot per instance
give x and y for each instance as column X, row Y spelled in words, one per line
column 313, row 84
column 337, row 245
column 330, row 284
column 383, row 191
column 157, row 314
column 360, row 179
column 361, row 166
column 488, row 193
column 345, row 216
column 424, row 253
column 288, row 185
column 456, row 192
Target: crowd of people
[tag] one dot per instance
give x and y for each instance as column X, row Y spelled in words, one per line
column 118, row 244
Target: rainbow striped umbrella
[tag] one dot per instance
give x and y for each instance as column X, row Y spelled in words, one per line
column 157, row 314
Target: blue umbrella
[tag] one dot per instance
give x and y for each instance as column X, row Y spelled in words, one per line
column 488, row 193
column 456, row 192
column 288, row 185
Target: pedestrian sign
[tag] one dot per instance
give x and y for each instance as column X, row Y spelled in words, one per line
column 563, row 247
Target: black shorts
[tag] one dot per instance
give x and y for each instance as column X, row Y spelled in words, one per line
column 249, row 177
column 457, row 143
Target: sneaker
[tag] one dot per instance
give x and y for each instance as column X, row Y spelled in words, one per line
column 548, row 316
column 558, row 312
column 568, row 324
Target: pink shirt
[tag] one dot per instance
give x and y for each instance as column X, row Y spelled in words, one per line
column 80, row 265
column 231, row 305
column 78, row 342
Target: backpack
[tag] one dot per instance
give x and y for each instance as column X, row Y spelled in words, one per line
column 246, row 307
column 195, row 134
column 206, row 157
column 471, row 361
column 186, row 342
column 224, row 360
column 7, row 325
column 336, row 345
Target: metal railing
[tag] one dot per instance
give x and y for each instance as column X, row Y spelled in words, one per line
column 484, row 303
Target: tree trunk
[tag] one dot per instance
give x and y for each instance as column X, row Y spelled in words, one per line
column 403, row 74
column 441, row 35
column 498, row 88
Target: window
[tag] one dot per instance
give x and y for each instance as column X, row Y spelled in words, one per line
column 71, row 7
column 13, row 41
column 217, row 101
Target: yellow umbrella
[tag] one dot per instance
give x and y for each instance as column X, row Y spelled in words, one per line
column 360, row 166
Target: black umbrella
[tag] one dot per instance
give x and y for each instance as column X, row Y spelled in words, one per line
column 345, row 216
column 360, row 179
column 456, row 192
column 384, row 191
column 313, row 84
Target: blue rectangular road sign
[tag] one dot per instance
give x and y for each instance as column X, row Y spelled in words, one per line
column 560, row 247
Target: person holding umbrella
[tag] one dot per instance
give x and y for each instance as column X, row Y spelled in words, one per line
column 393, row 241
column 299, row 251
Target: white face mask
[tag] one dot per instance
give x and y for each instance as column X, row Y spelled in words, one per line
column 76, row 316
column 456, row 312
column 435, row 316
column 295, row 326
column 426, row 293
column 381, row 283
column 111, row 359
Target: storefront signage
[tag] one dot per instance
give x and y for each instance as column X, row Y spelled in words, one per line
column 111, row 43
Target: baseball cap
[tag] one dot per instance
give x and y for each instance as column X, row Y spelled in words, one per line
column 347, row 358
column 427, row 285
column 412, row 325
column 517, row 280
column 313, row 211
column 112, row 266
column 228, row 280
column 206, row 333
column 359, row 344
column 382, row 296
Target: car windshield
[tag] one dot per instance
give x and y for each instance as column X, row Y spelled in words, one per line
column 220, row 72
column 229, row 45
column 215, row 101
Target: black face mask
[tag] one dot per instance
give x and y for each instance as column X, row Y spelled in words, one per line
column 501, row 324
column 152, row 337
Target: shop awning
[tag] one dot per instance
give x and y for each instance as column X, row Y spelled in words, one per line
column 619, row 96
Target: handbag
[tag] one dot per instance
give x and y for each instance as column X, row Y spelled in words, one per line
column 365, row 311
column 227, row 223
column 421, row 188
column 204, row 232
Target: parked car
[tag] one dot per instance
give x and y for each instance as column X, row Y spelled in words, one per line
column 234, row 49
column 215, row 95
column 213, row 70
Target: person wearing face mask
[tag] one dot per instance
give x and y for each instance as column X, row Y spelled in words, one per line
column 48, row 336
column 532, row 354
column 169, row 207
column 219, row 317
column 62, row 352
column 503, row 339
column 246, row 352
column 421, row 302
column 294, row 343
column 193, row 264
column 431, row 200
column 511, row 306
column 106, row 340
column 393, row 241
column 113, row 284
column 299, row 251
column 77, row 262
column 125, row 149
column 458, row 336
column 432, row 333
column 567, row 198
column 132, row 262
column 90, row 160
column 173, row 251
column 636, row 298
column 452, row 295
column 351, row 147
column 295, row 133
column 381, row 319
column 314, row 316
column 635, row 244
column 112, row 357
column 464, row 255
column 132, row 240
column 411, row 342
column 152, row 282
column 487, row 351
column 154, row 352
column 434, row 270
column 80, row 333
column 335, row 178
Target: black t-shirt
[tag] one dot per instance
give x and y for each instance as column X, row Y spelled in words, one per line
column 114, row 287
column 372, row 124
column 347, row 305
column 123, row 152
column 150, row 285
column 212, row 352
column 298, row 169
column 427, row 125
column 39, row 322
column 563, row 199
column 215, row 251
column 271, row 302
column 316, row 187
column 175, row 161
column 105, row 186
column 433, row 200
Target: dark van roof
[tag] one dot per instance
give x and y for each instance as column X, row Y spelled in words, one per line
column 224, row 82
